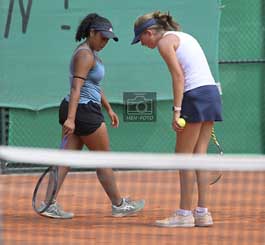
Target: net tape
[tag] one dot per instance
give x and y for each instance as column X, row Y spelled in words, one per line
column 128, row 160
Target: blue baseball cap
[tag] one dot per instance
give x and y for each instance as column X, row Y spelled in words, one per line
column 140, row 29
column 106, row 30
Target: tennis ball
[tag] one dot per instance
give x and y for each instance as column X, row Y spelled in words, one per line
column 181, row 122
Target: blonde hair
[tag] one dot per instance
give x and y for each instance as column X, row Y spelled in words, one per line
column 164, row 21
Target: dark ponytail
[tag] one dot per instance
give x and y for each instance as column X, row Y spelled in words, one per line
column 84, row 27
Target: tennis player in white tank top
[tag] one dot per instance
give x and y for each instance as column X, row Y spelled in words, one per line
column 193, row 61
column 195, row 98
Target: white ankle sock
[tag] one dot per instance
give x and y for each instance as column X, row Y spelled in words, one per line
column 184, row 212
column 201, row 211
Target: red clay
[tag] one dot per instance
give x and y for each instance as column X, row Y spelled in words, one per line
column 237, row 205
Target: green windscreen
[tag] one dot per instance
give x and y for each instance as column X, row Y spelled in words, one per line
column 37, row 41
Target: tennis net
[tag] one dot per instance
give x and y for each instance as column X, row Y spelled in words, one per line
column 236, row 201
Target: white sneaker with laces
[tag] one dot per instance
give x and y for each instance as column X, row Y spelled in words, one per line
column 177, row 220
column 203, row 220
column 128, row 207
column 55, row 211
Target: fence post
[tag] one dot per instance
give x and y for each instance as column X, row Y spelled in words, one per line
column 4, row 122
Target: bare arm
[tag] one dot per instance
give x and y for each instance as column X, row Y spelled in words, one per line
column 167, row 47
column 105, row 102
column 83, row 62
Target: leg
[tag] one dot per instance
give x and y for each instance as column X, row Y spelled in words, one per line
column 203, row 176
column 55, row 211
column 202, row 216
column 73, row 143
column 186, row 142
column 99, row 141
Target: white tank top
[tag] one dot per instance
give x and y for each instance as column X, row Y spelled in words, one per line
column 193, row 62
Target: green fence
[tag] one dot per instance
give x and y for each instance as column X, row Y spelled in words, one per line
column 242, row 76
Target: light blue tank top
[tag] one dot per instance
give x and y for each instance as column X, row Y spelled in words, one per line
column 90, row 90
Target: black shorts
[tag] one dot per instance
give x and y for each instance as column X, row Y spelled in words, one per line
column 87, row 120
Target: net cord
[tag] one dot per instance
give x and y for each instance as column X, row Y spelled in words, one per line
column 129, row 160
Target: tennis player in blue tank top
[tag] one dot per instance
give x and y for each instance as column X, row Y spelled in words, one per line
column 80, row 112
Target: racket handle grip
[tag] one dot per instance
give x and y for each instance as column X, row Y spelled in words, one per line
column 63, row 143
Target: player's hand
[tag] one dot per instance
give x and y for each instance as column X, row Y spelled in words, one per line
column 175, row 126
column 114, row 119
column 68, row 127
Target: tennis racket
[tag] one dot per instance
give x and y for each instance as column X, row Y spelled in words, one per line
column 46, row 187
column 216, row 175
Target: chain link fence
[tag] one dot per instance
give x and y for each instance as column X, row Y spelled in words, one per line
column 242, row 74
column 242, row 77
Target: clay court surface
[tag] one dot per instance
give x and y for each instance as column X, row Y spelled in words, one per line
column 237, row 204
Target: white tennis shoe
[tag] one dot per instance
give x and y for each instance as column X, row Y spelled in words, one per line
column 177, row 220
column 56, row 212
column 128, row 207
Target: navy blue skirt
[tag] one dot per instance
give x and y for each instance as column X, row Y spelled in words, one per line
column 202, row 104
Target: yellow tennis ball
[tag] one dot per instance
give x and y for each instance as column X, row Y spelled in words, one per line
column 181, row 122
